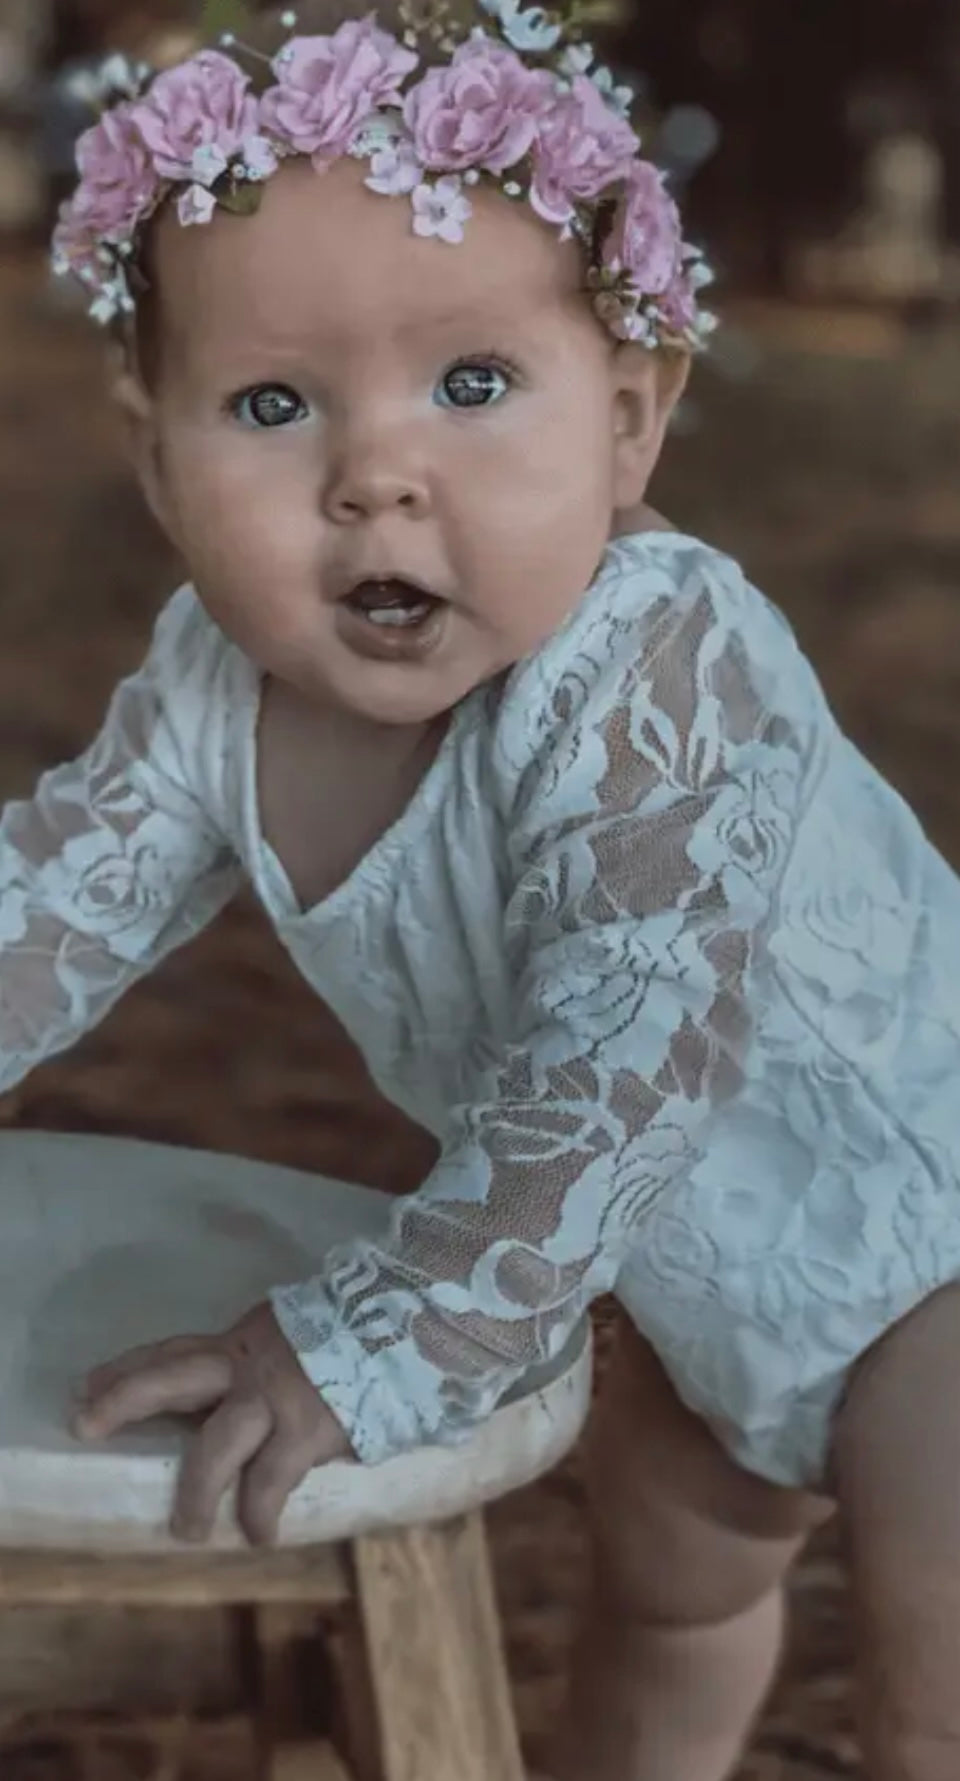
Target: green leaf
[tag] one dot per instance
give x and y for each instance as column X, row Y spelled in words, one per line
column 220, row 16
column 241, row 200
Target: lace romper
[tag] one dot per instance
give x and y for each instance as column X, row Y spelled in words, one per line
column 663, row 963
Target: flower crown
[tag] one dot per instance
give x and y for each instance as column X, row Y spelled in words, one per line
column 517, row 102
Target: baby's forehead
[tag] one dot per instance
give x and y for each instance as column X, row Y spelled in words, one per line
column 324, row 258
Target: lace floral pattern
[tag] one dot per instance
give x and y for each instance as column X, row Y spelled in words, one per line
column 108, row 868
column 663, row 963
column 638, row 924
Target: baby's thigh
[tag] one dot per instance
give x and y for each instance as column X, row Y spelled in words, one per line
column 896, row 1465
column 683, row 1534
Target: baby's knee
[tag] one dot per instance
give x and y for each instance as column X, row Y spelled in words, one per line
column 684, row 1537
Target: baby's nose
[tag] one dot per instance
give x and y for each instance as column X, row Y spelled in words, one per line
column 372, row 480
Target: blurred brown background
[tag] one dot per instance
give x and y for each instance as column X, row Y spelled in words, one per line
column 821, row 147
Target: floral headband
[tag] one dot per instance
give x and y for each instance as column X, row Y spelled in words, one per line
column 519, row 104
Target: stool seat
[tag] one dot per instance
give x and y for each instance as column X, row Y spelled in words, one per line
column 107, row 1243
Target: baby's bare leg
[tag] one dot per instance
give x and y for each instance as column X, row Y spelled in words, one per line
column 897, row 1459
column 683, row 1632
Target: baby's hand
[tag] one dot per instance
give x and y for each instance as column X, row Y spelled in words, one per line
column 265, row 1429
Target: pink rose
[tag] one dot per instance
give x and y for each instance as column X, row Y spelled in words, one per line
column 646, row 238
column 328, row 86
column 482, row 110
column 117, row 180
column 582, row 147
column 203, row 103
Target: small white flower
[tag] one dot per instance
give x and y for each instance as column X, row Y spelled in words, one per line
column 259, row 159
column 528, row 29
column 113, row 299
column 196, row 206
column 471, row 177
column 441, row 209
column 103, row 311
column 379, row 132
column 115, row 78
column 576, row 59
column 119, row 75
column 84, row 87
column 512, row 189
column 620, row 99
column 288, row 20
column 394, row 170
column 207, row 164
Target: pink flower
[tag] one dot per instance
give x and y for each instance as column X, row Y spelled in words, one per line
column 482, row 109
column 203, row 103
column 582, row 147
column 441, row 209
column 117, row 181
column 646, row 238
column 328, row 86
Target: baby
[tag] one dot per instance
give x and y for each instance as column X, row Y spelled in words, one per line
column 541, row 796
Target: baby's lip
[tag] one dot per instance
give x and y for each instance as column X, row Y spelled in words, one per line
column 346, row 588
column 387, row 631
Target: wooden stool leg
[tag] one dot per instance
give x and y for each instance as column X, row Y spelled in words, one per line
column 356, row 1724
column 436, row 1656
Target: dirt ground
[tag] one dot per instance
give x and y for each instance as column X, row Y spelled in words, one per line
column 823, row 450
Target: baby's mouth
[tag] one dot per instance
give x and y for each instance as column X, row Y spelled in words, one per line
column 392, row 603
column 388, row 618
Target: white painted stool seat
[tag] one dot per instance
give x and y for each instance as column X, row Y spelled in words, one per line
column 105, row 1244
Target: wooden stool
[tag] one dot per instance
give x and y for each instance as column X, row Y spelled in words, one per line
column 105, row 1244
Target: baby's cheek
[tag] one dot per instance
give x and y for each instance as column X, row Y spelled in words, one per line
column 243, row 510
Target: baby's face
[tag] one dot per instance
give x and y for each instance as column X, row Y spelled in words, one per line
column 391, row 463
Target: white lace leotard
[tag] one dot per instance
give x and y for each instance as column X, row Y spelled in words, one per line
column 666, row 967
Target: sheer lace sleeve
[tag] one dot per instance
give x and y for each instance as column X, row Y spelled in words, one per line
column 113, row 862
column 649, row 836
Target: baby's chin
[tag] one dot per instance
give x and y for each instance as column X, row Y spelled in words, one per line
column 399, row 694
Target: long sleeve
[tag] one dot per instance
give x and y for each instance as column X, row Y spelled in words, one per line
column 652, row 825
column 114, row 862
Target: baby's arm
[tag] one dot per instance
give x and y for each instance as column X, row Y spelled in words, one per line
column 649, row 842
column 111, row 864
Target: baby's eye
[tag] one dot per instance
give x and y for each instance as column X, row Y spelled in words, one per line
column 269, row 405
column 475, row 385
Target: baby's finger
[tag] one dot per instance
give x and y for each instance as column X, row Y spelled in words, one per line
column 101, row 1378
column 215, row 1458
column 280, row 1466
column 171, row 1387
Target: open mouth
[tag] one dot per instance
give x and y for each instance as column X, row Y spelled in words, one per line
column 388, row 618
column 392, row 603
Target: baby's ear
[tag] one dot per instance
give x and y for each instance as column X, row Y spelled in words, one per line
column 136, row 407
column 647, row 387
